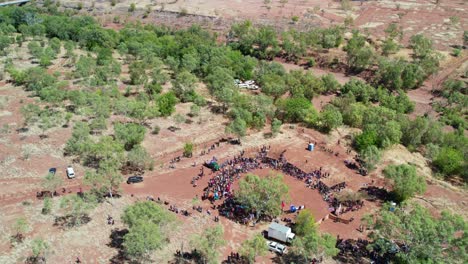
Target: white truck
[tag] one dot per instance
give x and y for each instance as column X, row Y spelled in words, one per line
column 280, row 232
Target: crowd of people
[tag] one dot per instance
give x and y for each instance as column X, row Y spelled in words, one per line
column 358, row 164
column 220, row 185
column 329, row 150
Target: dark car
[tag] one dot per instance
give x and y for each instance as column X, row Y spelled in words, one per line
column 53, row 170
column 134, row 179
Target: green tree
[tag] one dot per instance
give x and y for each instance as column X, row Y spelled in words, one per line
column 370, row 156
column 139, row 158
column 129, row 134
column 273, row 85
column 309, row 243
column 147, row 212
column 305, row 223
column 359, row 55
column 251, row 248
column 4, row 43
column 263, row 195
column 106, row 180
column 237, row 127
column 406, row 182
column 142, row 239
column 421, row 45
column 166, row 103
column 149, row 226
column 137, row 73
column 275, row 126
column 69, row 47
column 365, row 139
column 330, row 118
column 208, row 243
column 330, row 84
column 354, row 115
column 295, row 109
column 449, row 161
column 429, row 239
column 184, row 85
column 55, row 44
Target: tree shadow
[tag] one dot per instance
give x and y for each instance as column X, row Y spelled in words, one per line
column 35, row 260
column 290, row 257
column 376, row 194
column 353, row 251
column 117, row 239
column 69, row 221
column 186, row 257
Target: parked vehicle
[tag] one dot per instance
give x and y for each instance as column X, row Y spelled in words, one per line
column 52, row 171
column 276, row 247
column 280, row 232
column 134, row 179
column 70, row 172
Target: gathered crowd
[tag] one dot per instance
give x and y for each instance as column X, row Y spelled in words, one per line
column 220, row 185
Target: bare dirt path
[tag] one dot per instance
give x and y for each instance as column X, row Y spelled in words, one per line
column 423, row 96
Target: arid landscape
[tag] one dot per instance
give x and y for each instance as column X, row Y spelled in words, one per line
column 114, row 89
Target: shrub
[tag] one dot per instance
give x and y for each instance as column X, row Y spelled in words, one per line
column 129, row 134
column 132, row 7
column 155, row 130
column 188, row 149
column 449, row 161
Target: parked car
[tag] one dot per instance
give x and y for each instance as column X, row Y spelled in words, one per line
column 134, row 179
column 276, row 247
column 70, row 172
column 52, row 171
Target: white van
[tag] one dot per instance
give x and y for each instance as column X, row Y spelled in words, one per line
column 70, row 172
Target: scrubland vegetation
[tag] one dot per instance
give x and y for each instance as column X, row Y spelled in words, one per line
column 167, row 67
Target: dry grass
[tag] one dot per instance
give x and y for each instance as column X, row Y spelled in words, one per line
column 398, row 154
column 4, row 101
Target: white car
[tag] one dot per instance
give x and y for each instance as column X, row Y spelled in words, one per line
column 276, row 247
column 70, row 172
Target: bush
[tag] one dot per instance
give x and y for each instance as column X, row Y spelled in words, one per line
column 166, row 103
column 139, row 158
column 275, row 126
column 132, row 7
column 130, row 134
column 237, row 127
column 188, row 149
column 155, row 130
column 194, row 110
column 449, row 161
column 370, row 156
column 47, row 207
column 330, row 118
column 295, row 109
column 406, row 182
